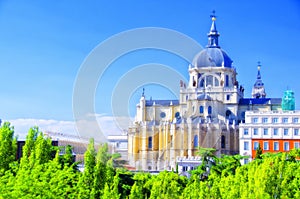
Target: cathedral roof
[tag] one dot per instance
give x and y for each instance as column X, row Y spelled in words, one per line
column 212, row 55
column 162, row 102
column 259, row 101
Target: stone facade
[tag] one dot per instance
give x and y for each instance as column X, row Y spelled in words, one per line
column 207, row 114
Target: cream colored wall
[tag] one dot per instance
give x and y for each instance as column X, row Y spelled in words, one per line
column 172, row 140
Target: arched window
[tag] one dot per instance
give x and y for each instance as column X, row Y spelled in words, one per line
column 217, row 82
column 196, row 141
column 177, row 115
column 209, row 110
column 209, row 80
column 223, row 141
column 226, row 80
column 228, row 113
column 202, row 83
column 201, row 109
column 194, row 82
column 149, row 142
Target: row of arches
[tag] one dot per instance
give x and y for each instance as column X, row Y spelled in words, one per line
column 211, row 80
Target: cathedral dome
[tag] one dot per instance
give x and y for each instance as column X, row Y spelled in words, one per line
column 212, row 57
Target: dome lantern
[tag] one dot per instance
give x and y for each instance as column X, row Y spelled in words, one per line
column 213, row 35
column 212, row 55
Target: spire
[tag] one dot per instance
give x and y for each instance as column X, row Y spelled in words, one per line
column 258, row 70
column 213, row 34
column 258, row 90
column 143, row 94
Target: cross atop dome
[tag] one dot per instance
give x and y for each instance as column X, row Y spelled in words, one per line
column 213, row 15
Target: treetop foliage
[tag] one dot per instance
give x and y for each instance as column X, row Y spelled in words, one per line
column 43, row 172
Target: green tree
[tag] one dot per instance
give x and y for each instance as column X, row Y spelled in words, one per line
column 166, row 185
column 8, row 146
column 144, row 181
column 113, row 190
column 86, row 180
column 227, row 164
column 62, row 180
column 100, row 171
column 258, row 152
column 67, row 159
column 43, row 149
column 193, row 189
column 136, row 192
column 208, row 159
column 28, row 148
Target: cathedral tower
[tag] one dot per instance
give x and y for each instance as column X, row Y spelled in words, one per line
column 258, row 90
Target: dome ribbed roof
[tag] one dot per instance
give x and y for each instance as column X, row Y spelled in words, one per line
column 212, row 57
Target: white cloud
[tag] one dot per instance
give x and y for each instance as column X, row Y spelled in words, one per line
column 108, row 125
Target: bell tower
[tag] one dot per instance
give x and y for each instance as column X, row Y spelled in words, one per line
column 258, row 90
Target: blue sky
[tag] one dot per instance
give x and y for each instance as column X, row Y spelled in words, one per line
column 43, row 44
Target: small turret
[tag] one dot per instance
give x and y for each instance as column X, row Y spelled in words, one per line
column 258, row 90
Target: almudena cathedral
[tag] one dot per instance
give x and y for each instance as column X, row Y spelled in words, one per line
column 208, row 114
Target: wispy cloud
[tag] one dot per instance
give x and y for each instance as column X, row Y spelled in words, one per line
column 109, row 125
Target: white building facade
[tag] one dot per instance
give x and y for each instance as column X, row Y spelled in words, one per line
column 274, row 131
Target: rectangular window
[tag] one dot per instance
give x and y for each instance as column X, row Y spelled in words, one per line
column 295, row 120
column 227, row 97
column 246, row 132
column 275, row 120
column 150, row 143
column 246, row 145
column 265, row 120
column 285, row 131
column 266, row 131
column 255, row 131
column 296, row 132
column 255, row 145
column 286, row 146
column 246, row 160
column 276, row 146
column 266, row 146
column 226, row 80
column 285, row 120
column 255, row 120
column 296, row 145
column 275, row 132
